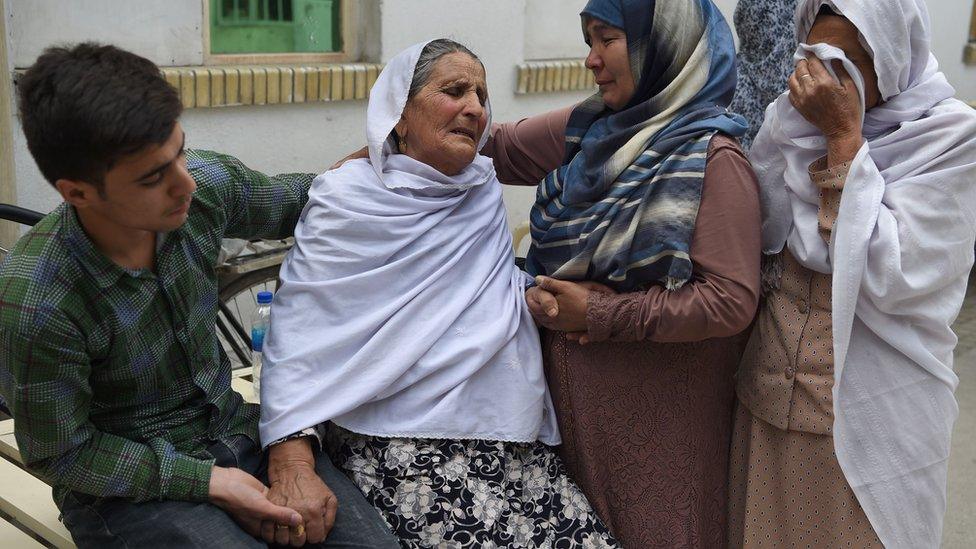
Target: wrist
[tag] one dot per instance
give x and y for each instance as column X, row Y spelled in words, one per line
column 599, row 313
column 843, row 148
column 291, row 456
column 216, row 492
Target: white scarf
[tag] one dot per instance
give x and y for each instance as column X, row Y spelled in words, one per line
column 900, row 256
column 401, row 312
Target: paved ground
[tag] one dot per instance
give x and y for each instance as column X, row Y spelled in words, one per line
column 960, row 526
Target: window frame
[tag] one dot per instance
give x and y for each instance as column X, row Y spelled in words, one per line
column 972, row 24
column 348, row 28
column 969, row 50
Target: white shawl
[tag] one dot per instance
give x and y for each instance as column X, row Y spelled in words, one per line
column 900, row 257
column 401, row 312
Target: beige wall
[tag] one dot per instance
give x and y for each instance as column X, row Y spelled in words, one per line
column 8, row 231
column 311, row 136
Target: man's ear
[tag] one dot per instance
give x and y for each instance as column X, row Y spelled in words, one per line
column 77, row 193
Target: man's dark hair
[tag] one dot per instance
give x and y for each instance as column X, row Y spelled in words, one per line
column 85, row 107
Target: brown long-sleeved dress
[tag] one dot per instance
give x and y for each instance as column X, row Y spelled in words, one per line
column 646, row 412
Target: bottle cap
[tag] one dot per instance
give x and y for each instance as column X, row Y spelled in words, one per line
column 264, row 297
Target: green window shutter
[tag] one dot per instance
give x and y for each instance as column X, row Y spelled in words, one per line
column 275, row 26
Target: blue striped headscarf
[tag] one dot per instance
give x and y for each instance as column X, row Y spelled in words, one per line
column 621, row 210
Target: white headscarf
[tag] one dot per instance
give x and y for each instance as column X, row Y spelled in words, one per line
column 401, row 312
column 388, row 98
column 900, row 256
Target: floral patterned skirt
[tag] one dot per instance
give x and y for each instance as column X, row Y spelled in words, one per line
column 469, row 493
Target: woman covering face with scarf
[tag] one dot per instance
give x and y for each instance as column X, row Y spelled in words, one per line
column 867, row 167
column 650, row 195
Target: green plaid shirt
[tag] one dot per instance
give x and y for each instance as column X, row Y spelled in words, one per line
column 115, row 378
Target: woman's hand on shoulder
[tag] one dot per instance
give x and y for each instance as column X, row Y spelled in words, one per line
column 361, row 153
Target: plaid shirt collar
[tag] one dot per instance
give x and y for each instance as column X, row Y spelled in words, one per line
column 103, row 270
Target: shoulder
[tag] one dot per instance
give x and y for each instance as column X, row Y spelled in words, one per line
column 727, row 169
column 351, row 179
column 222, row 182
column 944, row 137
column 212, row 171
column 207, row 166
column 358, row 171
column 38, row 277
column 725, row 146
column 214, row 174
column 954, row 114
column 951, row 120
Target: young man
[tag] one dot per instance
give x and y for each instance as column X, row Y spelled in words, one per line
column 109, row 360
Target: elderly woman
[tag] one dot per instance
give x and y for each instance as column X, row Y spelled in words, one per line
column 654, row 198
column 846, row 403
column 401, row 321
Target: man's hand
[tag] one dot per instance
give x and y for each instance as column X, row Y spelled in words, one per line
column 561, row 305
column 245, row 500
column 294, row 483
column 361, row 153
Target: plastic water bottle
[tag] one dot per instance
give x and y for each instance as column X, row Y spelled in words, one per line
column 259, row 327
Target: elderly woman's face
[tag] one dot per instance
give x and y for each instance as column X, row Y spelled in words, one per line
column 610, row 63
column 442, row 124
column 842, row 34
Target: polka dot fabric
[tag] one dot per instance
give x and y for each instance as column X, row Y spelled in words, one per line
column 830, row 181
column 787, row 372
column 786, row 489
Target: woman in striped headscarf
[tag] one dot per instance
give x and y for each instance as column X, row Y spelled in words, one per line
column 649, row 195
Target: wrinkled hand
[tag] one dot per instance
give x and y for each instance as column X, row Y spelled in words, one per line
column 561, row 305
column 294, row 483
column 245, row 499
column 833, row 107
column 361, row 153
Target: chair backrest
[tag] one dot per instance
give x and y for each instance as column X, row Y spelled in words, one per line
column 16, row 214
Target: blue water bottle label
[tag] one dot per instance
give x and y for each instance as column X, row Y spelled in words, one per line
column 257, row 339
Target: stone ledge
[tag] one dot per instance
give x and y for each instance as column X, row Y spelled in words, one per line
column 235, row 85
column 556, row 75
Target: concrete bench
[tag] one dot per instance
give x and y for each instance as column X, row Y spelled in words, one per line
column 12, row 538
column 8, row 445
column 28, row 499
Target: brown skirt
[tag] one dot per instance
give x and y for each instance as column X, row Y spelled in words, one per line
column 646, row 429
column 786, row 489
